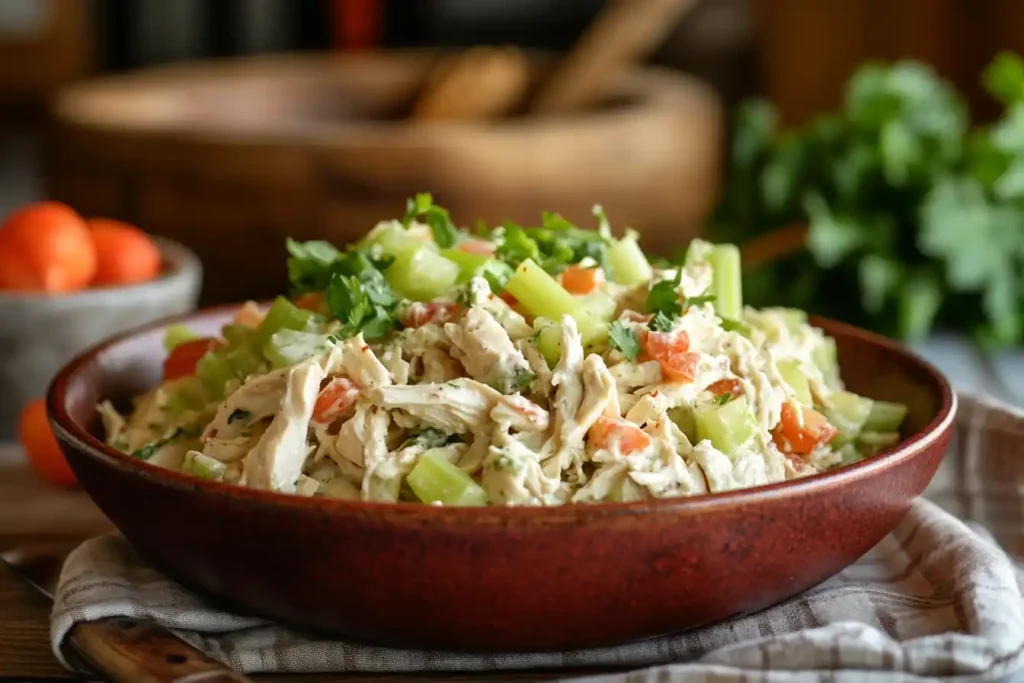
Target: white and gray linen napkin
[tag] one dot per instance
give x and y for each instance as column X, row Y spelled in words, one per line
column 938, row 599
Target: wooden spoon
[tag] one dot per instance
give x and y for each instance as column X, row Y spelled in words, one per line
column 488, row 83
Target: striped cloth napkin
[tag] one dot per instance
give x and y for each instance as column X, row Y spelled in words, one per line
column 938, row 600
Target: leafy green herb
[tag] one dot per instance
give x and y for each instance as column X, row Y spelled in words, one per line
column 556, row 244
column 149, row 451
column 239, row 415
column 516, row 246
column 663, row 297
column 310, row 265
column 724, row 398
column 730, row 325
column 698, row 300
column 422, row 206
column 431, row 438
column 523, row 378
column 364, row 305
column 661, row 322
column 624, row 339
column 914, row 220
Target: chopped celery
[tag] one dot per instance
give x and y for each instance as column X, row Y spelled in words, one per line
column 203, row 466
column 885, row 417
column 435, row 479
column 283, row 315
column 176, row 335
column 214, row 371
column 797, row 381
column 600, row 305
column 288, row 347
column 393, row 238
column 549, row 341
column 824, row 356
column 422, row 274
column 236, row 335
column 849, row 455
column 847, row 414
column 243, row 359
column 184, row 394
column 685, row 419
column 726, row 283
column 730, row 325
column 879, row 440
column 727, row 426
column 542, row 296
column 470, row 265
column 629, row 265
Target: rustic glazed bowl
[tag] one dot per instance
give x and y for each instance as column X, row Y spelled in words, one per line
column 501, row 579
column 39, row 333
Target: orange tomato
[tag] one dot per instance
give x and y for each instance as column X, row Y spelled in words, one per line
column 124, row 254
column 46, row 247
column 335, row 399
column 792, row 437
column 44, row 455
column 671, row 350
column 419, row 314
column 311, row 301
column 181, row 362
column 610, row 429
column 478, row 247
column 509, row 299
column 578, row 280
column 726, row 386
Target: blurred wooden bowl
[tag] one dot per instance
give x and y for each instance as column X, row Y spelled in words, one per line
column 231, row 157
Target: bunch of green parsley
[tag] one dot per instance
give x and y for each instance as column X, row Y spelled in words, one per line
column 916, row 218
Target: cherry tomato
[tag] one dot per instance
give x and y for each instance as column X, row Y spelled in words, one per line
column 44, row 454
column 181, row 362
column 609, row 429
column 578, row 280
column 680, row 367
column 124, row 254
column 335, row 399
column 46, row 247
column 671, row 350
column 792, row 437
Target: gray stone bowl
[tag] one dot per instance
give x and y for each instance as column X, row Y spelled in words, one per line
column 39, row 333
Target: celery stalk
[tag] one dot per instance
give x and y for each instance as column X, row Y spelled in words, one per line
column 435, row 479
column 885, row 417
column 393, row 238
column 184, row 394
column 288, row 347
column 727, row 426
column 214, row 371
column 422, row 274
column 468, row 263
column 283, row 315
column 549, row 342
column 542, row 296
column 599, row 305
column 825, row 357
column 797, row 381
column 176, row 335
column 847, row 414
column 629, row 264
column 726, row 283
column 684, row 418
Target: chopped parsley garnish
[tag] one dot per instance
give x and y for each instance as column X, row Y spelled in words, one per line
column 730, row 325
column 363, row 303
column 149, row 451
column 239, row 415
column 663, row 301
column 522, row 379
column 661, row 322
column 624, row 339
column 556, row 244
column 431, row 438
column 724, row 398
column 310, row 265
column 422, row 206
column 516, row 246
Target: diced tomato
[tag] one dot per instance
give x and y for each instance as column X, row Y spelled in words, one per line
column 661, row 345
column 792, row 437
column 477, row 247
column 726, row 386
column 509, row 299
column 680, row 367
column 335, row 399
column 607, row 430
column 249, row 315
column 311, row 301
column 183, row 359
column 578, row 280
column 419, row 314
column 671, row 350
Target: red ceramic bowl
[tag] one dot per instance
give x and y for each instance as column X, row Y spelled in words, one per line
column 501, row 579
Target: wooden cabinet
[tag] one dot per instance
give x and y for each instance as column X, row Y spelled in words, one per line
column 808, row 48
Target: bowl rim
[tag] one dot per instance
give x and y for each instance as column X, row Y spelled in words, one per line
column 652, row 91
column 179, row 265
column 79, row 438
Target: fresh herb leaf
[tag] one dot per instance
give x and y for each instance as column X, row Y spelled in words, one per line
column 724, row 398
column 698, row 300
column 310, row 265
column 523, row 378
column 239, row 415
column 516, row 246
column 604, row 228
column 663, row 297
column 362, row 305
column 624, row 339
column 431, row 438
column 661, row 322
column 730, row 325
column 422, row 206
